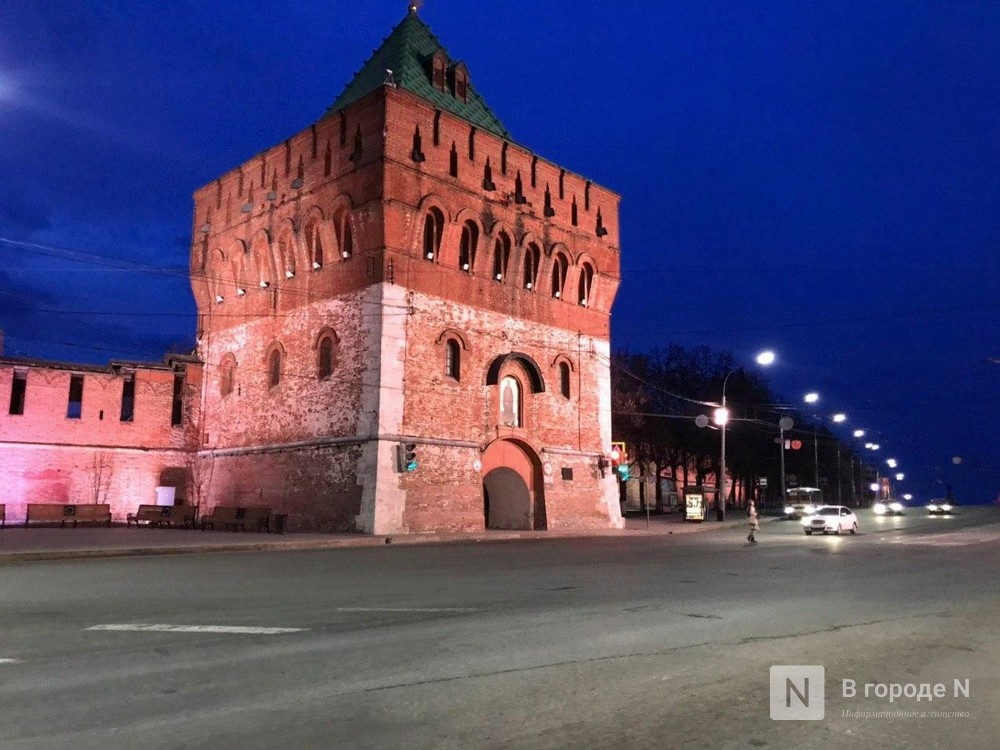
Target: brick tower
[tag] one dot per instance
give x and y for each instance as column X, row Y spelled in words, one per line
column 404, row 316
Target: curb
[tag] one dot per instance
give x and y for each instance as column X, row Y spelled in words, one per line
column 351, row 541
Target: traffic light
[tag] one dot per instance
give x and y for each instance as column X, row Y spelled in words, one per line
column 406, row 457
column 619, row 459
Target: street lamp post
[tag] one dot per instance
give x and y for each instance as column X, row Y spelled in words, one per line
column 722, row 419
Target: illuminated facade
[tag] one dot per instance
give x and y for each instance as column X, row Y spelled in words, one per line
column 404, row 317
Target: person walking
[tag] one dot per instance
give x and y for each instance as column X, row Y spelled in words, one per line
column 754, row 522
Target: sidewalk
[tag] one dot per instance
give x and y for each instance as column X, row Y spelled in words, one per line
column 18, row 544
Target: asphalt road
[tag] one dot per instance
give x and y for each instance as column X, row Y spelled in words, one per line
column 604, row 642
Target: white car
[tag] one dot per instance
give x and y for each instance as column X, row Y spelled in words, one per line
column 827, row 518
column 888, row 509
column 940, row 508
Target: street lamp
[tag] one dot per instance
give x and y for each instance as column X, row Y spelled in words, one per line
column 764, row 359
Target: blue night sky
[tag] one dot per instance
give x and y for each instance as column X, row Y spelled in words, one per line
column 820, row 178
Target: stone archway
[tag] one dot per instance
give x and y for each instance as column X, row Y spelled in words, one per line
column 512, row 487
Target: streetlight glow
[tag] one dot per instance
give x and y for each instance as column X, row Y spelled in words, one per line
column 722, row 416
column 811, row 398
column 765, row 358
column 859, row 433
column 839, row 418
column 891, row 462
column 899, row 477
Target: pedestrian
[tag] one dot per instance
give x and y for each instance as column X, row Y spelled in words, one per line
column 754, row 522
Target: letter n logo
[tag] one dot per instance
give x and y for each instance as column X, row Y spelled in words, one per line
column 797, row 693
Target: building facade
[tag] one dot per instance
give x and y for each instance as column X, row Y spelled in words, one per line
column 83, row 434
column 404, row 317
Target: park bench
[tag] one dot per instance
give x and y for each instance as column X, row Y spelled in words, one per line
column 52, row 512
column 158, row 515
column 231, row 517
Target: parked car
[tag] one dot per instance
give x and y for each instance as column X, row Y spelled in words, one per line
column 835, row 518
column 940, row 508
column 888, row 509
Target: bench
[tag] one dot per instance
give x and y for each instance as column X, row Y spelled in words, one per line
column 52, row 512
column 158, row 515
column 231, row 517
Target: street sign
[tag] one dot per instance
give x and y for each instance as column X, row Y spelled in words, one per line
column 763, row 481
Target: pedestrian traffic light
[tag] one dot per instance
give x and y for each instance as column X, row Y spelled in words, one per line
column 624, row 473
column 406, row 457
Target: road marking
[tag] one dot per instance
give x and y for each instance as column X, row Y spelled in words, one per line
column 406, row 609
column 225, row 629
column 5, row 660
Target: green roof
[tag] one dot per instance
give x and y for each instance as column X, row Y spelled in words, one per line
column 407, row 52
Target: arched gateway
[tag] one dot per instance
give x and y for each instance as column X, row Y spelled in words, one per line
column 513, row 495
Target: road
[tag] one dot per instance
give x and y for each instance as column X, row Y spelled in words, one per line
column 649, row 641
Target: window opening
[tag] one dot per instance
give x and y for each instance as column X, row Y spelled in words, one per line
column 453, row 359
column 74, row 409
column 274, row 368
column 177, row 410
column 501, row 255
column 18, row 391
column 564, row 379
column 128, row 399
column 467, row 246
column 325, row 357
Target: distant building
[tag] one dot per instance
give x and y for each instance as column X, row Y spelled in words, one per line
column 404, row 317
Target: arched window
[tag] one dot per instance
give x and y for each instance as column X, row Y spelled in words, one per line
column 274, row 368
column 227, row 371
column 586, row 282
column 559, row 266
column 345, row 237
column 510, row 402
column 467, row 247
column 501, row 254
column 287, row 253
column 564, row 379
column 453, row 359
column 531, row 256
column 314, row 244
column 433, row 228
column 326, row 357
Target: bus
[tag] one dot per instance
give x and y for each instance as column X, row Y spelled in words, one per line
column 802, row 501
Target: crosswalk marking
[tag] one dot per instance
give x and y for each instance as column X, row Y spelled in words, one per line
column 219, row 629
column 8, row 660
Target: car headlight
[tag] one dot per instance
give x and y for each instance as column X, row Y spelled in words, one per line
column 880, row 508
column 789, row 510
column 895, row 507
column 932, row 506
column 946, row 507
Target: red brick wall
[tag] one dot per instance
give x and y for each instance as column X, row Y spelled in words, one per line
column 390, row 308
